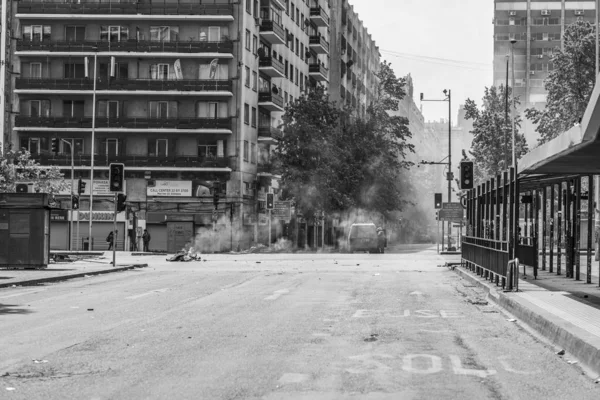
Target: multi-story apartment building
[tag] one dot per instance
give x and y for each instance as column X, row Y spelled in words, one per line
column 355, row 59
column 188, row 95
column 538, row 28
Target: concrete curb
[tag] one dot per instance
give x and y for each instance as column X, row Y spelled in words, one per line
column 577, row 342
column 32, row 282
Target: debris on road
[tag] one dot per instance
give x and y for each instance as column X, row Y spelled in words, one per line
column 511, row 320
column 90, row 309
column 10, row 388
column 572, row 362
column 373, row 338
column 560, row 353
column 40, row 361
column 186, row 256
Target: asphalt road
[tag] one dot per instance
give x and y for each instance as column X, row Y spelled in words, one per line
column 301, row 326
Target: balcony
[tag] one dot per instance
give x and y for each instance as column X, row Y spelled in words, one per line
column 52, row 9
column 129, row 46
column 136, row 86
column 318, row 44
column 318, row 72
column 85, row 123
column 319, row 17
column 270, row 101
column 83, row 160
column 267, row 169
column 279, row 3
column 268, row 133
column 272, row 32
column 271, row 67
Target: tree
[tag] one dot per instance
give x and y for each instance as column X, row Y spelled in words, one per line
column 490, row 126
column 17, row 166
column 569, row 84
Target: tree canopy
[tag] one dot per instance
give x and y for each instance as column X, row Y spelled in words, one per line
column 18, row 166
column 490, row 128
column 333, row 160
column 569, row 83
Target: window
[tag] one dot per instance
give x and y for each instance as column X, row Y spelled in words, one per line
column 297, row 46
column 207, row 150
column 73, row 108
column 158, row 148
column 74, row 70
column 211, row 109
column 39, row 108
column 247, row 39
column 301, row 81
column 214, row 33
column 256, row 8
column 292, row 7
column 296, row 80
column 220, row 72
column 302, row 51
column 287, row 38
column 108, row 108
column 249, row 6
column 254, row 80
column 31, row 144
column 112, row 147
column 253, row 116
column 291, row 37
column 247, row 77
column 35, row 70
column 65, row 148
column 246, row 114
column 162, row 109
column 285, row 69
column 164, row 33
column 245, row 150
column 287, row 7
column 114, row 33
column 254, row 44
column 291, row 77
column 253, row 153
column 74, row 33
column 297, row 16
column 36, row 33
column 285, row 97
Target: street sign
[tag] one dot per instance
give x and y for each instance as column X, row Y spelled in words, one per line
column 282, row 210
column 451, row 206
column 452, row 214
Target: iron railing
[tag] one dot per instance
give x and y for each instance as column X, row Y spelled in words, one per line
column 208, row 7
column 133, row 161
column 198, row 85
column 125, row 122
column 132, row 46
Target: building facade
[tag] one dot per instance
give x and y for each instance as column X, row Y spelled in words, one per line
column 538, row 28
column 187, row 95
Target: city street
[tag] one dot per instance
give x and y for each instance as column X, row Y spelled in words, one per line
column 398, row 325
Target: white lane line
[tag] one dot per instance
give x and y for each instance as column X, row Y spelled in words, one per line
column 31, row 291
column 276, row 294
column 137, row 296
column 293, row 378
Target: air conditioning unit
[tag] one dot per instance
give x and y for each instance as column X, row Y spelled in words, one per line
column 532, row 72
column 512, row 13
column 545, row 12
column 578, row 12
column 24, row 187
column 258, row 21
column 541, row 56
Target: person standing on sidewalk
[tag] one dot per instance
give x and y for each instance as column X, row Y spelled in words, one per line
column 111, row 239
column 146, row 239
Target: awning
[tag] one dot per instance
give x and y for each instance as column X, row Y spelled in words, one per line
column 576, row 151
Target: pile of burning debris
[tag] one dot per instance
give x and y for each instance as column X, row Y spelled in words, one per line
column 186, row 255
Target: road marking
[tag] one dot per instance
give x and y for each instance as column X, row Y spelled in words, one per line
column 418, row 294
column 424, row 314
column 507, row 367
column 293, row 378
column 459, row 370
column 276, row 294
column 369, row 363
column 137, row 296
column 408, row 365
column 30, row 291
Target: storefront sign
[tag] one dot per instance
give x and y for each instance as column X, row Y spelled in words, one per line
column 170, row 189
column 100, row 187
column 59, row 215
column 100, row 216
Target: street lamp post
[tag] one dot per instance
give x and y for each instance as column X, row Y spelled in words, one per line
column 512, row 109
column 449, row 175
column 70, row 143
column 92, row 149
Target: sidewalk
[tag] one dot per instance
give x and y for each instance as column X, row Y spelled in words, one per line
column 564, row 311
column 63, row 270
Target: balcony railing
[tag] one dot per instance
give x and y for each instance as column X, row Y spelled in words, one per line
column 319, row 41
column 125, row 122
column 318, row 71
column 140, row 46
column 266, row 62
column 270, row 97
column 268, row 25
column 266, row 168
column 134, row 161
column 319, row 16
column 194, row 85
column 270, row 131
column 210, row 7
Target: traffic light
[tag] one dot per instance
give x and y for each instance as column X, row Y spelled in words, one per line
column 438, row 200
column 121, row 198
column 216, row 190
column 54, row 143
column 466, row 175
column 75, row 202
column 116, row 177
column 269, row 201
column 80, row 186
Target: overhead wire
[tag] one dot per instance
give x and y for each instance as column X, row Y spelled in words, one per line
column 441, row 61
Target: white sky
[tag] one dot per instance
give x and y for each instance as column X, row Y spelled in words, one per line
column 444, row 44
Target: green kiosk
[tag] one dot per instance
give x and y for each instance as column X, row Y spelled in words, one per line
column 24, row 230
